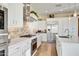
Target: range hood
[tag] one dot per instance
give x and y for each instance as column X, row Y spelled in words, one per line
column 28, row 17
column 31, row 19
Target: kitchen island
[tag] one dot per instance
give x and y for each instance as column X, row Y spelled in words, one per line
column 67, row 47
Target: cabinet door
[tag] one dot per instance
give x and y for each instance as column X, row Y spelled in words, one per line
column 23, row 46
column 15, row 15
column 44, row 37
column 15, row 52
column 39, row 40
column 28, row 52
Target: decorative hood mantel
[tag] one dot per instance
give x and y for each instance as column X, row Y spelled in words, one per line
column 26, row 11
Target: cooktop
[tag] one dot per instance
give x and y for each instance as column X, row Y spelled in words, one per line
column 27, row 35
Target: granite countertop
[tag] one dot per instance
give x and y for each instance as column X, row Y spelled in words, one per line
column 41, row 32
column 67, row 40
column 19, row 39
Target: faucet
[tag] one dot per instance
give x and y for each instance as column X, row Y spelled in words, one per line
column 69, row 35
column 67, row 30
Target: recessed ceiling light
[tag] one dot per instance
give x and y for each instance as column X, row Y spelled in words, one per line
column 46, row 11
column 58, row 5
column 28, row 4
column 61, row 10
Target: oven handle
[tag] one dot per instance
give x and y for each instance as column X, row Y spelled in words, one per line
column 3, row 42
column 34, row 42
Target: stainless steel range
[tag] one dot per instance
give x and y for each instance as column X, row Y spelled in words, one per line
column 3, row 31
column 33, row 42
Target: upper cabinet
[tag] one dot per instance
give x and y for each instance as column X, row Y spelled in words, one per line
column 15, row 15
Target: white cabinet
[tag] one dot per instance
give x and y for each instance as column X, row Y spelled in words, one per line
column 15, row 15
column 58, row 47
column 67, row 47
column 14, row 50
column 21, row 48
column 39, row 38
column 28, row 52
column 44, row 37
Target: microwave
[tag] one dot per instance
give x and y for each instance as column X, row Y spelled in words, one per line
column 3, row 20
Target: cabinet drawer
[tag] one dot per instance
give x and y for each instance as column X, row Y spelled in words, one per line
column 15, row 53
column 3, row 38
column 14, row 48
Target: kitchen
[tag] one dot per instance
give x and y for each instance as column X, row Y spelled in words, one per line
column 28, row 25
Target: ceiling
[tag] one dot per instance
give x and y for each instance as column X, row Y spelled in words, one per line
column 54, row 8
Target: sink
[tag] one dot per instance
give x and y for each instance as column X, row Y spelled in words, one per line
column 64, row 36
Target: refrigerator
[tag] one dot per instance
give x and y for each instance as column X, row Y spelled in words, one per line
column 52, row 30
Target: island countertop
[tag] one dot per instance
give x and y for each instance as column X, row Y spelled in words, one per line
column 67, row 40
column 19, row 39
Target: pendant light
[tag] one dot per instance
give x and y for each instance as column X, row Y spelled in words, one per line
column 75, row 12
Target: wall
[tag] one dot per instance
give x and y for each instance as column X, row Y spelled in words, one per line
column 66, row 26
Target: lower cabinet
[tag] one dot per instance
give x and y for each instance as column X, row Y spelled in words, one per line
column 20, row 49
column 41, row 37
column 28, row 52
column 58, row 47
column 39, row 40
column 16, row 51
column 44, row 37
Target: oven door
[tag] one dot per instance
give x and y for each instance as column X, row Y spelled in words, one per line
column 33, row 46
column 4, row 49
